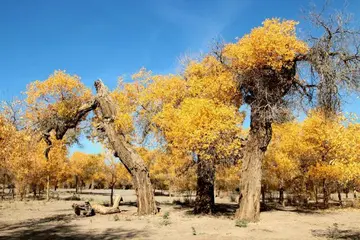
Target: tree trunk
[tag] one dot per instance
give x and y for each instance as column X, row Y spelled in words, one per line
column 34, row 190
column 250, row 180
column 339, row 194
column 205, row 199
column 346, row 190
column 76, row 184
column 4, row 186
column 107, row 111
column 112, row 195
column 263, row 192
column 281, row 196
column 92, row 184
column 325, row 194
column 47, row 188
column 316, row 194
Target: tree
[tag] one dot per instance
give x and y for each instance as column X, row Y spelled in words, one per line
column 85, row 166
column 114, row 172
column 62, row 102
column 265, row 64
column 282, row 162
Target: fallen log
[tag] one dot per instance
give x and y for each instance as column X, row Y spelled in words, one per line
column 108, row 210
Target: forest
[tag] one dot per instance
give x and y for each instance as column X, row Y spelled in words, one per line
column 183, row 134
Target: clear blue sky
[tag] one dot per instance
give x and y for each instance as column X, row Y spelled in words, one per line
column 106, row 39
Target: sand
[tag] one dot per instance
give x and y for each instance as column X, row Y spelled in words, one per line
column 38, row 219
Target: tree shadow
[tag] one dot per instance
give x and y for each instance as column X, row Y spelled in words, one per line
column 72, row 232
column 30, row 223
column 334, row 232
column 58, row 227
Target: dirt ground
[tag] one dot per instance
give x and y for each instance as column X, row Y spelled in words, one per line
column 55, row 220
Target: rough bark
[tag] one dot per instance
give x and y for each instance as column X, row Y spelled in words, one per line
column 205, row 199
column 250, row 181
column 107, row 112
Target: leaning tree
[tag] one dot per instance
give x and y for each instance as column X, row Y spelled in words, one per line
column 266, row 64
column 58, row 106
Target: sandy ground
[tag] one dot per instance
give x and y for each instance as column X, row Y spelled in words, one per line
column 56, row 220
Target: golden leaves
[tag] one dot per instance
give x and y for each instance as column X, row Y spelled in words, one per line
column 60, row 94
column 273, row 45
column 317, row 148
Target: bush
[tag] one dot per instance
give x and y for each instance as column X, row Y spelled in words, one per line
column 241, row 223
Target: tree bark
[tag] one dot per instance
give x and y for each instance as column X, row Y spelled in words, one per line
column 250, row 180
column 205, row 199
column 135, row 165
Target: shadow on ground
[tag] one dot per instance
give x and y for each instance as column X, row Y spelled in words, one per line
column 335, row 233
column 59, row 227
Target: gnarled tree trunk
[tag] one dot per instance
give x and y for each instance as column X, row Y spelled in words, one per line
column 205, row 200
column 129, row 157
column 250, row 178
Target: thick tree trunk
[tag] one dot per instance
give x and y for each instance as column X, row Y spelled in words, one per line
column 107, row 111
column 250, row 180
column 205, row 199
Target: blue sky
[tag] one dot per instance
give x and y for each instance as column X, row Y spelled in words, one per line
column 107, row 39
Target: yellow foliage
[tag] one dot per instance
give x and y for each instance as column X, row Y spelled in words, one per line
column 201, row 126
column 212, row 80
column 273, row 45
column 61, row 94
